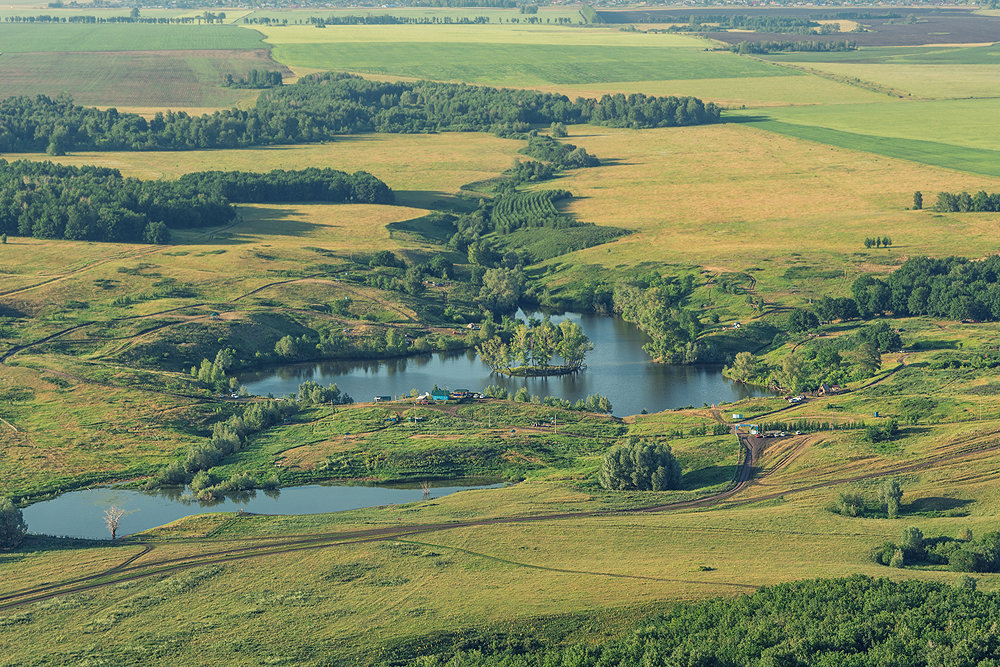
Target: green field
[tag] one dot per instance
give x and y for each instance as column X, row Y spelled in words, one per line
column 38, row 38
column 962, row 137
column 517, row 64
column 175, row 79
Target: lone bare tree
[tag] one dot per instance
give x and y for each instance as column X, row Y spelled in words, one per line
column 112, row 517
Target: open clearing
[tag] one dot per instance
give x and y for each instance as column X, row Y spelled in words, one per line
column 165, row 79
column 419, row 167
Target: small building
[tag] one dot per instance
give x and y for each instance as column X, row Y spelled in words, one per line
column 459, row 394
column 737, row 415
column 440, row 396
column 383, row 399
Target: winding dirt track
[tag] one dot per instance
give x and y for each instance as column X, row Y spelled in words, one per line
column 749, row 475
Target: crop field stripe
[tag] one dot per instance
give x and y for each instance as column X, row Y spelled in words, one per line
column 174, row 78
column 961, row 158
column 510, row 64
column 74, row 37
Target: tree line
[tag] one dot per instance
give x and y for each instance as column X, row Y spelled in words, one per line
column 230, row 435
column 136, row 19
column 878, row 242
column 962, row 554
column 963, row 202
column 776, row 24
column 855, row 620
column 593, row 402
column 766, row 47
column 47, row 200
column 323, row 106
column 834, row 362
column 280, row 185
column 254, row 79
column 951, row 287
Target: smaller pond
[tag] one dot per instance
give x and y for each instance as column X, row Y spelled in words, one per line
column 81, row 513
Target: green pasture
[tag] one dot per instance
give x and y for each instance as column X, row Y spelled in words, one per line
column 956, row 134
column 20, row 38
column 516, row 64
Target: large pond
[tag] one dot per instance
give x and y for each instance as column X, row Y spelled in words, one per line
column 617, row 368
column 81, row 513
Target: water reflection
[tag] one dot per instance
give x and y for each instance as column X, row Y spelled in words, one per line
column 80, row 513
column 617, row 368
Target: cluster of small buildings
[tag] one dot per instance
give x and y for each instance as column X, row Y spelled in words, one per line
column 436, row 396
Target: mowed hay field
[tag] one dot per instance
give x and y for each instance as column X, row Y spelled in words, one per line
column 731, row 197
column 128, row 79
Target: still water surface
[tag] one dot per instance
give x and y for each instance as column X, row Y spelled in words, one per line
column 80, row 513
column 617, row 368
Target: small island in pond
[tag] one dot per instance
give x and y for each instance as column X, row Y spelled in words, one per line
column 528, row 350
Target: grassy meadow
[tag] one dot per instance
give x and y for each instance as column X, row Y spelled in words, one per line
column 665, row 185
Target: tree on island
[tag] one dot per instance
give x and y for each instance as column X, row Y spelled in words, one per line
column 532, row 347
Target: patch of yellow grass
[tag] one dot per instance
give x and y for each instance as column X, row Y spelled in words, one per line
column 731, row 197
column 427, row 162
column 928, row 81
column 480, row 34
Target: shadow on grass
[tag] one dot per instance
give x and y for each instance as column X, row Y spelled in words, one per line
column 437, row 201
column 708, row 476
column 934, row 504
column 44, row 543
column 744, row 118
column 257, row 221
